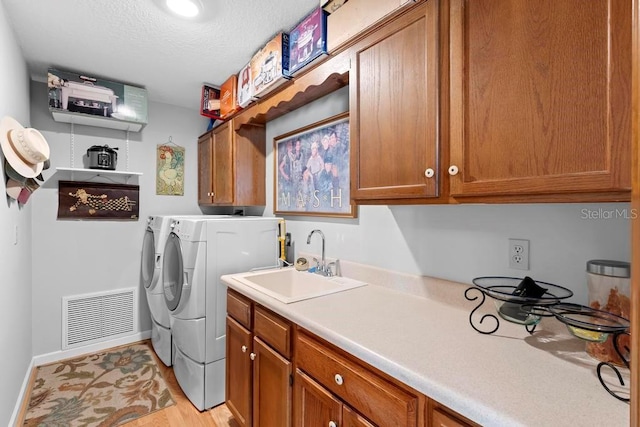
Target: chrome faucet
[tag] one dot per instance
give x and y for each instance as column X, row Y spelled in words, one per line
column 322, row 268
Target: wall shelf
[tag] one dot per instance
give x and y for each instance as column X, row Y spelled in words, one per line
column 324, row 77
column 97, row 121
column 79, row 174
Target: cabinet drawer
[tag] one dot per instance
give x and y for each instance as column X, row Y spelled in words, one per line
column 441, row 419
column 239, row 307
column 353, row 419
column 273, row 329
column 377, row 399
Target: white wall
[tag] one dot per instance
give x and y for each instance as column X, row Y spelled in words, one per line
column 459, row 242
column 15, row 316
column 78, row 257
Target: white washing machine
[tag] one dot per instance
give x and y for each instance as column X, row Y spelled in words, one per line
column 196, row 254
column 153, row 243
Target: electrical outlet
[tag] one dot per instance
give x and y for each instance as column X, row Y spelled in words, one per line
column 519, row 254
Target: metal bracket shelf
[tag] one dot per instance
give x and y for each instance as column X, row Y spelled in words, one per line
column 76, row 174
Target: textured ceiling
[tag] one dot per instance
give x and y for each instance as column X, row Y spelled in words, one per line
column 138, row 42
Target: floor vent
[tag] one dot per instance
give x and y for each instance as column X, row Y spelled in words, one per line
column 92, row 318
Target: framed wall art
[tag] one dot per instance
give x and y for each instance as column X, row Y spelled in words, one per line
column 170, row 170
column 312, row 174
column 93, row 200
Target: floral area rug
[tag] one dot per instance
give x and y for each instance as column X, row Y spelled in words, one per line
column 103, row 389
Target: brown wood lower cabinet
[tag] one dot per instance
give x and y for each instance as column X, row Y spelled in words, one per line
column 381, row 400
column 238, row 375
column 271, row 387
column 315, row 406
column 330, row 387
column 441, row 419
column 258, row 378
column 352, row 419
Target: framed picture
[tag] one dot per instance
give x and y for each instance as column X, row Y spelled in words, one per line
column 312, row 170
column 170, row 169
column 93, row 200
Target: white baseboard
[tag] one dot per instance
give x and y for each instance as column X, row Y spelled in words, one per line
column 25, row 383
column 55, row 356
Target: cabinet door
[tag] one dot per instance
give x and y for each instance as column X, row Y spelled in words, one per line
column 540, row 96
column 249, row 157
column 271, row 387
column 205, row 169
column 393, row 91
column 313, row 405
column 350, row 418
column 223, row 168
column 238, row 372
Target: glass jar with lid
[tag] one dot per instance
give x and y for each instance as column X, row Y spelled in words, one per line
column 609, row 288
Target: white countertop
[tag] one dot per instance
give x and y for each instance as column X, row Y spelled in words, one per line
column 509, row 378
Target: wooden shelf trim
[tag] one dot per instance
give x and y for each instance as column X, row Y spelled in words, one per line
column 326, row 77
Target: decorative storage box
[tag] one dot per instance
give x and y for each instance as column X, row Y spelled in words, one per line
column 355, row 16
column 210, row 102
column 308, row 40
column 270, row 65
column 245, row 87
column 228, row 96
column 93, row 97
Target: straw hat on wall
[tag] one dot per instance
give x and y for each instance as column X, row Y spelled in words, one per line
column 25, row 149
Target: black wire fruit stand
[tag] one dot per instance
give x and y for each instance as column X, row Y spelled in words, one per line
column 515, row 304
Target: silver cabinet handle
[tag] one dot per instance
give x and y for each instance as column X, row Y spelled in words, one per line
column 252, row 356
column 333, row 424
column 453, row 170
column 243, row 348
column 429, row 173
column 338, row 379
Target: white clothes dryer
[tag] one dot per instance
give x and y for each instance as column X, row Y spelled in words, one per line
column 155, row 237
column 196, row 254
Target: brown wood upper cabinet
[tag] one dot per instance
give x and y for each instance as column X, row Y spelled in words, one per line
column 540, row 99
column 231, row 166
column 393, row 96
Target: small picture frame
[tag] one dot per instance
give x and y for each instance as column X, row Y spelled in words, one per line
column 312, row 175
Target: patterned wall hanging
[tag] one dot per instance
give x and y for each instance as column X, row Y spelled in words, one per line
column 170, row 169
column 89, row 200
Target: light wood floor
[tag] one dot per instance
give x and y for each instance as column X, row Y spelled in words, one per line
column 183, row 413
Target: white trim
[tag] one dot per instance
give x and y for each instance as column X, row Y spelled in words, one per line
column 55, row 356
column 21, row 396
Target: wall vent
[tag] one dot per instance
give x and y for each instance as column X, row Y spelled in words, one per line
column 97, row 317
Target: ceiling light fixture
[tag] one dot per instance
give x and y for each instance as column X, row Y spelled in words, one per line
column 185, row 8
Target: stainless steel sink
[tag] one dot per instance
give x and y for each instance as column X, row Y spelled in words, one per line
column 288, row 285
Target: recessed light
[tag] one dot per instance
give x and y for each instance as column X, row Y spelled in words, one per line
column 185, row 8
